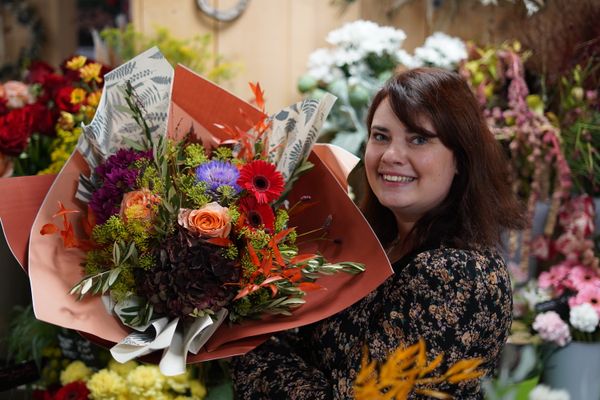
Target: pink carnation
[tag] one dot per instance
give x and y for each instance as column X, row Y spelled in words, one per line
column 588, row 294
column 552, row 328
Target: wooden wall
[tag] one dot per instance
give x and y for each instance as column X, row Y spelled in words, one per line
column 59, row 19
column 270, row 42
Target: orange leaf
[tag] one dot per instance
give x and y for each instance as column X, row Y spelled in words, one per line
column 277, row 255
column 273, row 289
column 62, row 210
column 302, row 258
column 309, row 286
column 252, row 254
column 281, row 235
column 68, row 236
column 267, row 263
column 223, row 242
column 258, row 95
column 49, row 229
column 272, row 279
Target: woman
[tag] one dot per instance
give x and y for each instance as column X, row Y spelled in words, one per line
column 438, row 198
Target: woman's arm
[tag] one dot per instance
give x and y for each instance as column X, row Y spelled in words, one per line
column 280, row 369
column 459, row 301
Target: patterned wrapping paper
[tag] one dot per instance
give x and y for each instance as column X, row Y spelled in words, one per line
column 197, row 103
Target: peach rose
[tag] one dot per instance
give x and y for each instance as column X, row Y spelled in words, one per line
column 138, row 205
column 212, row 220
column 17, row 94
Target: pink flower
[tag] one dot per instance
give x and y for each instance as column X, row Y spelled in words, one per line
column 555, row 278
column 580, row 277
column 17, row 94
column 540, row 247
column 552, row 328
column 568, row 244
column 588, row 294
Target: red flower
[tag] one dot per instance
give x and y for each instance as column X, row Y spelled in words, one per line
column 39, row 71
column 73, row 391
column 44, row 120
column 63, row 100
column 15, row 129
column 262, row 180
column 257, row 215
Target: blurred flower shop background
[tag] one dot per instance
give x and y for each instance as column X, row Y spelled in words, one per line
column 533, row 65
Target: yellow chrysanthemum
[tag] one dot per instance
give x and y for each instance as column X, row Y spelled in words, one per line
column 66, row 121
column 146, row 382
column 93, row 99
column 88, row 113
column 122, row 369
column 76, row 62
column 75, row 371
column 91, row 72
column 179, row 383
column 198, row 390
column 77, row 96
column 107, row 385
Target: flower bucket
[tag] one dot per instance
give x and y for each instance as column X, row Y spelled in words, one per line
column 575, row 368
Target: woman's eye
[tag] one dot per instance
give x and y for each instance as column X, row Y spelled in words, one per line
column 419, row 139
column 378, row 137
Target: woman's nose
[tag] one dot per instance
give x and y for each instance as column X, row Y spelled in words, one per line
column 395, row 153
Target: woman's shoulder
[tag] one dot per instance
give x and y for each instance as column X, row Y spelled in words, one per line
column 447, row 262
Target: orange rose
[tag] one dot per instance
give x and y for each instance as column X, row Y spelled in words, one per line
column 212, row 220
column 138, row 204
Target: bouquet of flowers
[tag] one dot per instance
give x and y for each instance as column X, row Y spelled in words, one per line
column 568, row 300
column 198, row 222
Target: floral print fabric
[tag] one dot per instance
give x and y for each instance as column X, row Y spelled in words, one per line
column 458, row 300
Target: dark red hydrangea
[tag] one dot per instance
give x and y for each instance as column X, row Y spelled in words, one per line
column 15, row 130
column 116, row 176
column 190, row 274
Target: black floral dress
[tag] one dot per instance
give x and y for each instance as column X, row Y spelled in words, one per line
column 459, row 301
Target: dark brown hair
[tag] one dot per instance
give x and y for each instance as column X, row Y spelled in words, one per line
column 480, row 203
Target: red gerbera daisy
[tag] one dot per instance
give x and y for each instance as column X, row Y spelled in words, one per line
column 262, row 180
column 73, row 391
column 257, row 215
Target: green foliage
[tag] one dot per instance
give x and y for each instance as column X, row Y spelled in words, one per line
column 223, row 154
column 194, row 192
column 28, row 337
column 281, row 219
column 195, row 52
column 194, row 155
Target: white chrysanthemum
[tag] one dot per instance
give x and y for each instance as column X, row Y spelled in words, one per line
column 407, row 60
column 357, row 39
column 321, row 65
column 543, row 392
column 584, row 317
column 488, row 2
column 441, row 50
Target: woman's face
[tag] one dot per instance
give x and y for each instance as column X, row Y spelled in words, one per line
column 409, row 173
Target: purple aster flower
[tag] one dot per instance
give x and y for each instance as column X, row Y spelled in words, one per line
column 116, row 176
column 218, row 173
